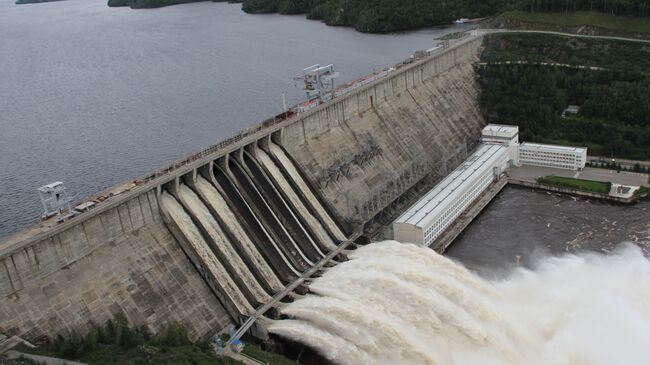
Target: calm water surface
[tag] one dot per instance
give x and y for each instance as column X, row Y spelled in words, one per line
column 93, row 96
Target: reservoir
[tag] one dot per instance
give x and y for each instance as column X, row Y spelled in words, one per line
column 93, row 96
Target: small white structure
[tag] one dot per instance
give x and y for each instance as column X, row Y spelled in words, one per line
column 572, row 109
column 54, row 198
column 570, row 158
column 84, row 207
column 507, row 135
column 499, row 133
column 436, row 211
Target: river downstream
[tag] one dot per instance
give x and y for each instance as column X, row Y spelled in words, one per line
column 525, row 225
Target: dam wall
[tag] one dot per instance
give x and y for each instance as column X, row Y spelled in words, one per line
column 121, row 260
column 367, row 150
column 207, row 239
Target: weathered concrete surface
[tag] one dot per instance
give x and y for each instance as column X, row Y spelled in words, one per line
column 367, row 149
column 364, row 151
column 123, row 260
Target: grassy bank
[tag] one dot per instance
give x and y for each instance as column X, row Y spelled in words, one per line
column 594, row 21
column 579, row 184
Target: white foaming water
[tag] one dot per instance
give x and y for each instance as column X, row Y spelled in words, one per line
column 397, row 303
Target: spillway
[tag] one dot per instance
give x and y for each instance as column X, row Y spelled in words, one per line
column 210, row 267
column 223, row 248
column 245, row 228
column 287, row 218
column 255, row 261
column 267, row 216
column 275, row 255
column 304, row 189
column 396, row 303
column 316, row 228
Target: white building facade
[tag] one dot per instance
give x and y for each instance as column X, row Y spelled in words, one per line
column 507, row 135
column 570, row 158
column 438, row 209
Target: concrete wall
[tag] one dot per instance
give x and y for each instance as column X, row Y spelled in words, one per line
column 367, row 149
column 123, row 259
column 362, row 151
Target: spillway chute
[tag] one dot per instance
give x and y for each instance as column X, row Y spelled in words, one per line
column 219, row 206
column 221, row 245
column 214, row 273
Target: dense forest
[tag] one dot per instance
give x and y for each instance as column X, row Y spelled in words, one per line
column 391, row 15
column 615, row 7
column 614, row 117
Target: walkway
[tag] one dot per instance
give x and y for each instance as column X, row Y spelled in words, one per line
column 42, row 359
column 306, row 275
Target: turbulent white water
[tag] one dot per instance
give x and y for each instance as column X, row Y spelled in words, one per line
column 401, row 304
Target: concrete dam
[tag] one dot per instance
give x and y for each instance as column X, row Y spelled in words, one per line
column 212, row 238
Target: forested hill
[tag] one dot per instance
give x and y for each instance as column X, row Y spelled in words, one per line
column 379, row 15
column 391, row 15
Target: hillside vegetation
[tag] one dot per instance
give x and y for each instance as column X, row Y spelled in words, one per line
column 115, row 342
column 614, row 117
column 582, row 22
column 392, row 15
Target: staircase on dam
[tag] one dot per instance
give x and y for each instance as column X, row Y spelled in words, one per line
column 250, row 224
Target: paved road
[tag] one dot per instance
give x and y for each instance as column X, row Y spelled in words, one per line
column 493, row 31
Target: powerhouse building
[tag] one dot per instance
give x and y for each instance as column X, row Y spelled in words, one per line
column 571, row 158
column 427, row 219
column 432, row 214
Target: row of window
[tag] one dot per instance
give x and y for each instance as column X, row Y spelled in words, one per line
column 454, row 210
column 549, row 164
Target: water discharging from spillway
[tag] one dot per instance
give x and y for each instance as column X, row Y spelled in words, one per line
column 401, row 304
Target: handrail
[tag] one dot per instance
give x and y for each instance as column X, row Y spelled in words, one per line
column 289, row 288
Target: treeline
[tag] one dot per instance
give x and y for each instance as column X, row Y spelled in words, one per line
column 145, row 4
column 614, row 118
column 392, row 15
column 615, row 7
column 379, row 15
column 115, row 342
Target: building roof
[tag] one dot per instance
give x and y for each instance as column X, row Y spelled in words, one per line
column 51, row 186
column 437, row 199
column 500, row 130
column 553, row 148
